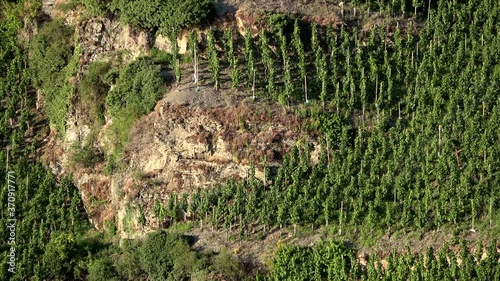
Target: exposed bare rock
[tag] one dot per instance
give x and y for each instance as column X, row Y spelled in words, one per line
column 191, row 140
column 247, row 20
column 103, row 38
column 163, row 43
column 48, row 7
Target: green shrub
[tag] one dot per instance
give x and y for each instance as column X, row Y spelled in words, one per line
column 60, row 253
column 50, row 51
column 167, row 15
column 119, row 133
column 138, row 88
column 160, row 56
column 52, row 63
column 111, row 164
column 128, row 262
column 102, row 269
column 229, row 266
column 111, row 77
column 167, row 256
column 93, row 90
column 155, row 257
column 86, row 156
column 97, row 7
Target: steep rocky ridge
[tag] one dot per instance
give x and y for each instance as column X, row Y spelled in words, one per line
column 191, row 139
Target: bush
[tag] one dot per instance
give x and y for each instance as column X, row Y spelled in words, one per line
column 102, row 269
column 50, row 52
column 127, row 264
column 59, row 257
column 167, row 256
column 138, row 88
column 93, row 90
column 155, row 255
column 160, row 56
column 51, row 67
column 167, row 15
column 97, row 7
column 229, row 266
column 119, row 133
column 86, row 156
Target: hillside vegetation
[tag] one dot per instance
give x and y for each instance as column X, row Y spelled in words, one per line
column 406, row 115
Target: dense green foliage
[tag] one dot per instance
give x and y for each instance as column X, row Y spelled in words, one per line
column 49, row 221
column 163, row 15
column 326, row 261
column 93, row 90
column 138, row 87
column 51, row 66
column 167, row 256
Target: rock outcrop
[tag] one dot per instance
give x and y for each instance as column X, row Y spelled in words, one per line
column 191, row 139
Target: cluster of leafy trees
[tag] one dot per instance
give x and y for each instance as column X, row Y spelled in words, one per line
column 53, row 61
column 161, row 255
column 137, row 89
column 164, row 16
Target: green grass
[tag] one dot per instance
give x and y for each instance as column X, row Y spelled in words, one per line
column 182, row 227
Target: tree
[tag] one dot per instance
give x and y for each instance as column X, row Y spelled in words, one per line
column 229, row 266
column 165, row 15
column 102, row 269
column 213, row 59
column 61, row 255
column 51, row 53
column 138, row 88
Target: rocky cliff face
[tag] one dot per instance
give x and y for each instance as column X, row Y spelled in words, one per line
column 191, row 139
